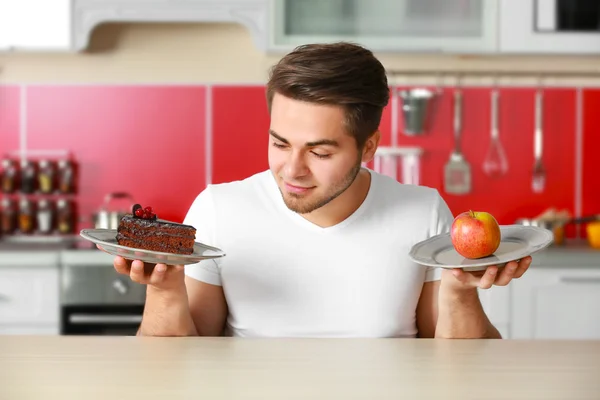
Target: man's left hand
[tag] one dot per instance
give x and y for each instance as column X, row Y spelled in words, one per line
column 459, row 279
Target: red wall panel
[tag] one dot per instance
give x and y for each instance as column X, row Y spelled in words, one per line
column 9, row 119
column 591, row 148
column 508, row 197
column 148, row 141
column 240, row 132
column 385, row 126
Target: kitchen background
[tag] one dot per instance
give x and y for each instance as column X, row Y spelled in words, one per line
column 163, row 143
column 158, row 111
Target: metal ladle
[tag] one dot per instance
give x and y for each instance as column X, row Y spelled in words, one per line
column 495, row 163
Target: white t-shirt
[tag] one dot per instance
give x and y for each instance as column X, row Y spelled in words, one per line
column 283, row 276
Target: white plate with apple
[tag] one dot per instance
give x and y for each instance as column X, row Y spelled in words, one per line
column 514, row 242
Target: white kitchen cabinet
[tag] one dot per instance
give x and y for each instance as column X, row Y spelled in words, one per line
column 29, row 292
column 539, row 27
column 556, row 303
column 88, row 14
column 496, row 304
column 456, row 26
column 35, row 25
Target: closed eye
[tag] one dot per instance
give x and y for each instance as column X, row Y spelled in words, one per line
column 321, row 156
column 318, row 155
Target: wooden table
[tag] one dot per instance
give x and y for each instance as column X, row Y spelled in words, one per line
column 109, row 368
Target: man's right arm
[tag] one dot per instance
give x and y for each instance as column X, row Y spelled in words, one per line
column 199, row 311
column 176, row 305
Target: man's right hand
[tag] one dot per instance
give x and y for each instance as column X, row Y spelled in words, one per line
column 159, row 276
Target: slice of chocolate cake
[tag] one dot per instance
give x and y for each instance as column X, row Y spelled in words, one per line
column 142, row 230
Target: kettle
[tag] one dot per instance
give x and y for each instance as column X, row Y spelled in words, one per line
column 108, row 217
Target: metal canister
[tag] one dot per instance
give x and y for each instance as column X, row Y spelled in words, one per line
column 46, row 177
column 28, row 176
column 26, row 216
column 9, row 216
column 64, row 216
column 45, row 216
column 66, row 176
column 10, row 175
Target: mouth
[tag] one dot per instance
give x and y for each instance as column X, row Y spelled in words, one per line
column 297, row 189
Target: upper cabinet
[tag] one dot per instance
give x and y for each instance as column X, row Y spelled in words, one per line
column 277, row 26
column 88, row 14
column 35, row 25
column 550, row 26
column 454, row 26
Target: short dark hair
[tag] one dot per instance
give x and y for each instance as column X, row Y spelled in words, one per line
column 343, row 74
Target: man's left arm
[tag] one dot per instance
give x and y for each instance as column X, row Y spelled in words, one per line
column 450, row 307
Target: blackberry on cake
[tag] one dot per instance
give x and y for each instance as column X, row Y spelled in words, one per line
column 143, row 230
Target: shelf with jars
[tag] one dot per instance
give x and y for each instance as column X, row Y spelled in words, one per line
column 38, row 195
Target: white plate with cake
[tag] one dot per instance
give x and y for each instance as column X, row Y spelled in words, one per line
column 142, row 236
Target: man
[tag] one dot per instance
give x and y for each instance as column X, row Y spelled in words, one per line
column 317, row 245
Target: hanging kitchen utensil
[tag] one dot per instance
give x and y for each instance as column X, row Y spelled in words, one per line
column 457, row 171
column 538, row 180
column 416, row 110
column 418, row 107
column 495, row 164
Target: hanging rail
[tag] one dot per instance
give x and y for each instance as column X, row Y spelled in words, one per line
column 494, row 73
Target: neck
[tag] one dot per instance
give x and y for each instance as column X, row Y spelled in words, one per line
column 344, row 205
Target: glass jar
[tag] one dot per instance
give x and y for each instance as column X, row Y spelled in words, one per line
column 64, row 213
column 26, row 216
column 66, row 177
column 45, row 217
column 9, row 217
column 10, row 176
column 46, row 177
column 28, row 176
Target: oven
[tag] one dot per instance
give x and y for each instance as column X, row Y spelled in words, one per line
column 550, row 26
column 96, row 300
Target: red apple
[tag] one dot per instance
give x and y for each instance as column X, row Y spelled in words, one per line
column 475, row 234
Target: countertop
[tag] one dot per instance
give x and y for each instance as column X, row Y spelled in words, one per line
column 576, row 253
column 66, row 367
column 81, row 252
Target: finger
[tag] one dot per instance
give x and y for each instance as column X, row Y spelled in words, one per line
column 487, row 280
column 507, row 274
column 523, row 266
column 158, row 274
column 178, row 268
column 137, row 272
column 121, row 265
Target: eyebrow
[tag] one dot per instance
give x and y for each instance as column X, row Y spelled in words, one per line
column 322, row 142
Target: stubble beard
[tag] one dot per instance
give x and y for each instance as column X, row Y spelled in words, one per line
column 296, row 202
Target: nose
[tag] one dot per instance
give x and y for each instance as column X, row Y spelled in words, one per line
column 295, row 165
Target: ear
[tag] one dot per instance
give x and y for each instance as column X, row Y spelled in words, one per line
column 371, row 147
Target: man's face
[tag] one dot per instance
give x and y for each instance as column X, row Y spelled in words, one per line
column 311, row 156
